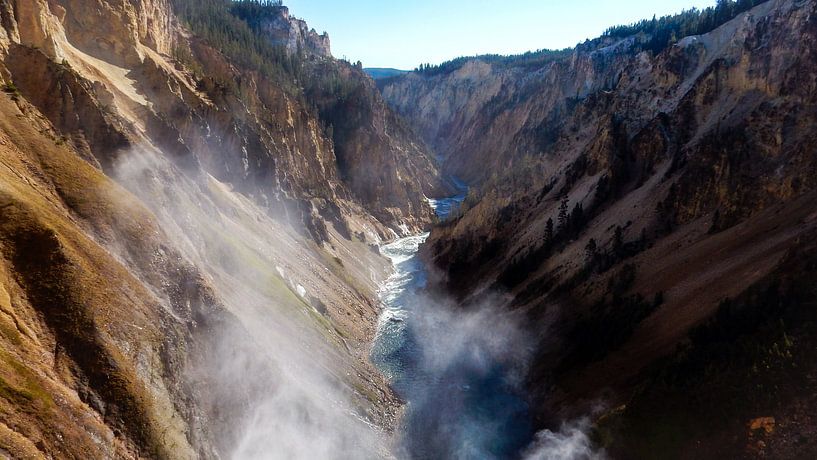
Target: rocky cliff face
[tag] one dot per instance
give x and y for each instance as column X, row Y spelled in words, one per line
column 620, row 197
column 295, row 35
column 184, row 252
column 245, row 129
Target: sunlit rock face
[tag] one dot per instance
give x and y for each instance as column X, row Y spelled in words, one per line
column 295, row 34
column 186, row 261
column 245, row 129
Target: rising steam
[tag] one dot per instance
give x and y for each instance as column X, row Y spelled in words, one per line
column 462, row 372
column 277, row 380
column 570, row 443
column 276, row 384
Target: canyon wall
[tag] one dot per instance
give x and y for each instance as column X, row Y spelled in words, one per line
column 626, row 201
column 187, row 245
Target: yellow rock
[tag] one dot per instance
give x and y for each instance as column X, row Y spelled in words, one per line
column 5, row 300
column 767, row 424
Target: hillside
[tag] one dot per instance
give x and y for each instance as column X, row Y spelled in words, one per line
column 187, row 231
column 648, row 203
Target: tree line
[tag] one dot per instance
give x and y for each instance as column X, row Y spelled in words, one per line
column 224, row 25
column 530, row 60
column 661, row 33
column 667, row 30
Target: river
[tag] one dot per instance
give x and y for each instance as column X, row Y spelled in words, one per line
column 455, row 369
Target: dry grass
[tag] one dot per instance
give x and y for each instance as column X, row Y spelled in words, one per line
column 87, row 305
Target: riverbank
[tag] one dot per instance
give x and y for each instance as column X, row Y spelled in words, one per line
column 459, row 372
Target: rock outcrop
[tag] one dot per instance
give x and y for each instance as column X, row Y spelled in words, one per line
column 295, row 35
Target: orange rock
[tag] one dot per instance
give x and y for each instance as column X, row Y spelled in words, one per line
column 767, row 424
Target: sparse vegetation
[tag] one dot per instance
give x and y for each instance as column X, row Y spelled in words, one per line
column 753, row 357
column 612, row 320
column 24, row 388
column 659, row 34
column 183, row 56
column 664, row 31
column 334, row 89
column 224, row 25
column 10, row 88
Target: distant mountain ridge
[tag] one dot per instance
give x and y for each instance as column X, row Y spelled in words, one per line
column 379, row 73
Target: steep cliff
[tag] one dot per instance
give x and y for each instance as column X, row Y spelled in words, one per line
column 185, row 254
column 630, row 201
column 365, row 147
column 294, row 34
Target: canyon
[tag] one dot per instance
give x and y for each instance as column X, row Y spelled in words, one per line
column 640, row 206
column 186, row 252
column 219, row 241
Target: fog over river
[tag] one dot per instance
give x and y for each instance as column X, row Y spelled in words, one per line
column 460, row 371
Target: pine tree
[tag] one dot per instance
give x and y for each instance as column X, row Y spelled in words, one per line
column 549, row 232
column 577, row 219
column 563, row 216
column 664, row 30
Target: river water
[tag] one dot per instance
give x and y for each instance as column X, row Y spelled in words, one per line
column 455, row 369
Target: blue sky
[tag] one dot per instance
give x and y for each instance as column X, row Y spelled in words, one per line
column 404, row 33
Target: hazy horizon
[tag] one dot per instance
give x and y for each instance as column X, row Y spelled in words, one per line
column 402, row 35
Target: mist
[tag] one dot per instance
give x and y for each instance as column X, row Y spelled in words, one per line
column 462, row 370
column 571, row 442
column 274, row 380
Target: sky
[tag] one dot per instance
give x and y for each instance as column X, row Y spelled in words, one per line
column 404, row 33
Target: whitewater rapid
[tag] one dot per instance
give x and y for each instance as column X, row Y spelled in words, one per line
column 451, row 367
column 395, row 346
column 393, row 341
